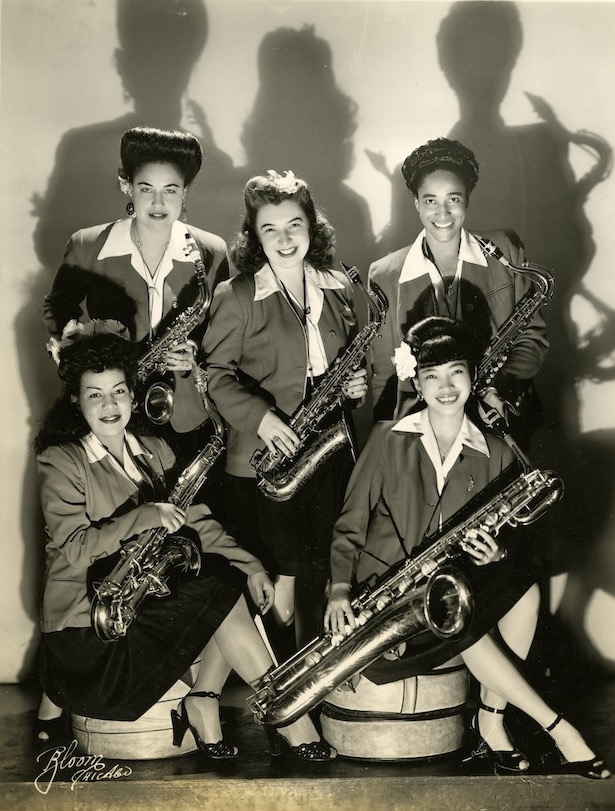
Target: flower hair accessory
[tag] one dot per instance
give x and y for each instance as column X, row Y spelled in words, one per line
column 125, row 186
column 287, row 184
column 405, row 362
column 75, row 330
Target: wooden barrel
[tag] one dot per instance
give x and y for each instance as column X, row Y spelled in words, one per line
column 409, row 719
column 150, row 737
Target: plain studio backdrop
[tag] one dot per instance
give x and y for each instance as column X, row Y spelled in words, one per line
column 340, row 92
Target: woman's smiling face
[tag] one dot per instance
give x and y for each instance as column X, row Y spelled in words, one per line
column 105, row 401
column 441, row 203
column 283, row 231
column 446, row 387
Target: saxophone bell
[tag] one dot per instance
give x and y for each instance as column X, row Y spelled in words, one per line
column 159, row 403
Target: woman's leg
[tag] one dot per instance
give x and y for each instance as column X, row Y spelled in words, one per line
column 496, row 672
column 283, row 609
column 517, row 628
column 237, row 645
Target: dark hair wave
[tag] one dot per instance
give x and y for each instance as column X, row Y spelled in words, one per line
column 142, row 145
column 441, row 153
column 439, row 339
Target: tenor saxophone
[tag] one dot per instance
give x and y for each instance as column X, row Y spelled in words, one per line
column 504, row 340
column 278, row 476
column 159, row 398
column 423, row 593
column 146, row 562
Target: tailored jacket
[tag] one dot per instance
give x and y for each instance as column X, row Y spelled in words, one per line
column 91, row 508
column 403, row 277
column 101, row 277
column 392, row 501
column 256, row 351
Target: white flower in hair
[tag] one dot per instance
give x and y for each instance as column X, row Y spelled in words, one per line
column 125, row 186
column 404, row 361
column 287, row 184
column 76, row 330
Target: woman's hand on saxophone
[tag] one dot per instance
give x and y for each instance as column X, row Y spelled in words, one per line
column 180, row 357
column 339, row 614
column 276, row 435
column 482, row 547
column 356, row 387
column 262, row 590
column 171, row 517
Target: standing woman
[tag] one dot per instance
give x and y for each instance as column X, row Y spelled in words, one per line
column 445, row 272
column 136, row 270
column 275, row 330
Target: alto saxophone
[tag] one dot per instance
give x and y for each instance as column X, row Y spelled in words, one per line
column 159, row 398
column 502, row 343
column 279, row 477
column 420, row 594
column 143, row 568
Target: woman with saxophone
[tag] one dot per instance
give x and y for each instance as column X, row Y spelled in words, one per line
column 413, row 475
column 275, row 330
column 102, row 484
column 446, row 272
column 137, row 269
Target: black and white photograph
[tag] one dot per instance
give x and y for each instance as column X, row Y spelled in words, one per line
column 308, row 480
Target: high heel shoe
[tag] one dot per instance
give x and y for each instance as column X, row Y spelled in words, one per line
column 594, row 769
column 506, row 761
column 315, row 752
column 181, row 723
column 50, row 731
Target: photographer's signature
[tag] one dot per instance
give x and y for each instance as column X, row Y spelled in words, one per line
column 83, row 768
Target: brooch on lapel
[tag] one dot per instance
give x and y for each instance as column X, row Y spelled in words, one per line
column 470, row 483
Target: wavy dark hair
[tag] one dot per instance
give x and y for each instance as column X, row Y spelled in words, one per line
column 439, row 339
column 441, row 153
column 246, row 251
column 142, row 145
column 64, row 422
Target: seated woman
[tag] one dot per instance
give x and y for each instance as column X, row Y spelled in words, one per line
column 100, row 486
column 413, row 475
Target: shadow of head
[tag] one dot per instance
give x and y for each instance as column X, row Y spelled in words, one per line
column 478, row 45
column 159, row 44
column 300, row 116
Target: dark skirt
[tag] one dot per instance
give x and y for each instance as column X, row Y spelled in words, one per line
column 121, row 680
column 289, row 535
column 496, row 588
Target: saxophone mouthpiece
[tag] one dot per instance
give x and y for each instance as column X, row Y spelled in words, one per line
column 492, row 249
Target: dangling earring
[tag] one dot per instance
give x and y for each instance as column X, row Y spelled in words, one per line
column 419, row 394
column 184, row 215
column 130, row 209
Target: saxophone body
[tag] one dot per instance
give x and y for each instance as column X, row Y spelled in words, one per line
column 279, row 477
column 423, row 593
column 146, row 562
column 159, row 398
column 508, row 334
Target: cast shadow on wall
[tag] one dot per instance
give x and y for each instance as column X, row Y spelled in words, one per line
column 527, row 183
column 83, row 190
column 302, row 121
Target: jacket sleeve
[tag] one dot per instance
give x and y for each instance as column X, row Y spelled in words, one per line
column 215, row 540
column 71, row 532
column 362, row 494
column 223, row 345
column 531, row 347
